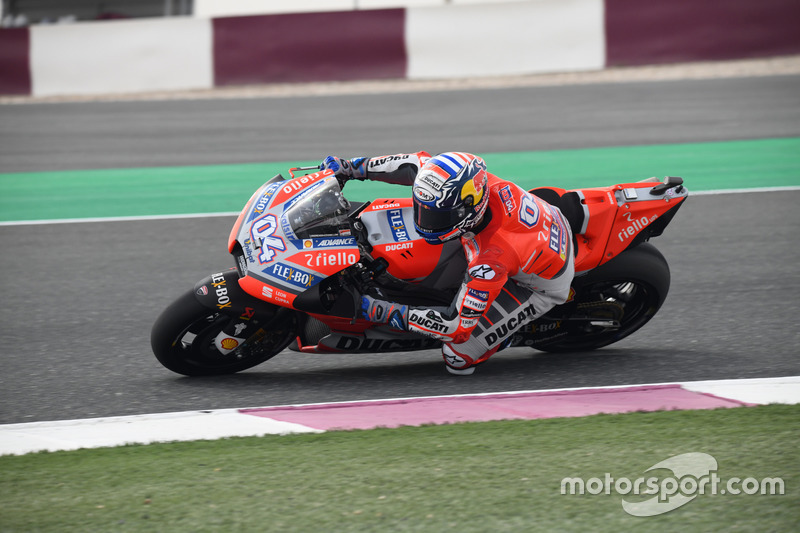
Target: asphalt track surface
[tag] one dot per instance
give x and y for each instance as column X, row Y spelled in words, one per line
column 79, row 299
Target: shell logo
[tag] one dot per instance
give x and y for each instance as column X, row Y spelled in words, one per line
column 307, row 243
column 229, row 343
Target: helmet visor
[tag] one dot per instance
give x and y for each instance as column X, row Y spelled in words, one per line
column 436, row 220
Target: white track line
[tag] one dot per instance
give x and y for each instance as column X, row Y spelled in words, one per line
column 115, row 219
column 745, row 190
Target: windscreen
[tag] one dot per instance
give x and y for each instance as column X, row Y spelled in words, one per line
column 320, row 211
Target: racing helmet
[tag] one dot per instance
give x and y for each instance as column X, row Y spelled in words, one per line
column 450, row 196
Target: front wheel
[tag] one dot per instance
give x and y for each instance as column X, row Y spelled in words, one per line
column 614, row 300
column 183, row 336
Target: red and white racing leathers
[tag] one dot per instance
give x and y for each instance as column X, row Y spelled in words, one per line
column 520, row 265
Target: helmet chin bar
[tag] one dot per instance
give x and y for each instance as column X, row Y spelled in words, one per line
column 440, row 237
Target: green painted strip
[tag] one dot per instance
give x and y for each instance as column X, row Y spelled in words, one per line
column 225, row 188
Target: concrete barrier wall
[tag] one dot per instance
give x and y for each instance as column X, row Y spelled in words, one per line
column 459, row 39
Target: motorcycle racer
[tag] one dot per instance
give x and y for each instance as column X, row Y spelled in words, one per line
column 518, row 247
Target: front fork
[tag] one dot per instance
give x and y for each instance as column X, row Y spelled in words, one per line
column 249, row 317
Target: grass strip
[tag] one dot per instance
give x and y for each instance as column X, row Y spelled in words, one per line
column 225, row 188
column 496, row 476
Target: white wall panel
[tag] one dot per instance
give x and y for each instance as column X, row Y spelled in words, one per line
column 462, row 2
column 230, row 8
column 386, row 4
column 505, row 39
column 121, row 56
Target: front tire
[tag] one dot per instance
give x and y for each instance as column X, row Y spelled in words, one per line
column 182, row 339
column 628, row 290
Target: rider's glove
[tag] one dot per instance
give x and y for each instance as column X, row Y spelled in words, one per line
column 346, row 169
column 383, row 312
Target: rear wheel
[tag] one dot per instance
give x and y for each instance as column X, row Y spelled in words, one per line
column 614, row 300
column 183, row 337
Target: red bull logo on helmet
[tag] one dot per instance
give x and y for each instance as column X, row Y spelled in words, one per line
column 477, row 184
column 456, row 190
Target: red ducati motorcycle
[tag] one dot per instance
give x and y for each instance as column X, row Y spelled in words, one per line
column 304, row 255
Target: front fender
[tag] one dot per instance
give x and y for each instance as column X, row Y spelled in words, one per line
column 221, row 292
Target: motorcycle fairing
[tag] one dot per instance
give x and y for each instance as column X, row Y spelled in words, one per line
column 368, row 339
column 643, row 212
column 619, row 216
column 391, row 233
column 291, row 235
column 254, row 207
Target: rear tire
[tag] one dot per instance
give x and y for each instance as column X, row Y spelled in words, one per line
column 632, row 287
column 182, row 339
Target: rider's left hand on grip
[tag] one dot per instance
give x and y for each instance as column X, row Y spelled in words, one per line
column 345, row 169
